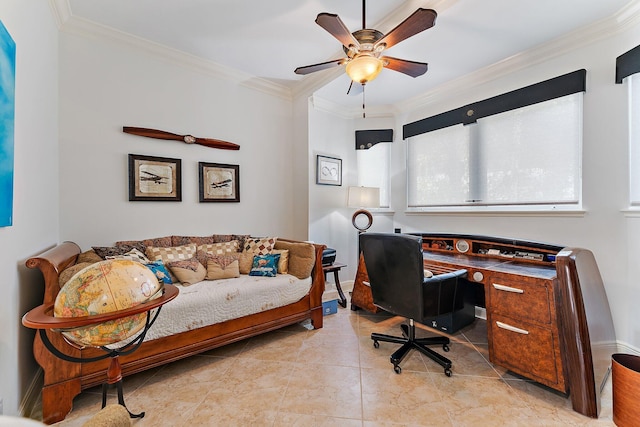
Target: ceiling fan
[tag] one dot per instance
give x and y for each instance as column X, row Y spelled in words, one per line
column 364, row 47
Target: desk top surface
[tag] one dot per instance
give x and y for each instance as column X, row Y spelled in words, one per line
column 507, row 266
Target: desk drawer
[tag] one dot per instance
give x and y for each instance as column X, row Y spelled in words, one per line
column 526, row 349
column 521, row 298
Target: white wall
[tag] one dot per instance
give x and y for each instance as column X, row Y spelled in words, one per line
column 332, row 134
column 107, row 85
column 32, row 27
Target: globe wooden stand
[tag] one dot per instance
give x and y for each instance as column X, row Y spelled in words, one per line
column 42, row 319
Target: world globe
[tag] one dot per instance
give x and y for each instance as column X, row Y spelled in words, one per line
column 102, row 288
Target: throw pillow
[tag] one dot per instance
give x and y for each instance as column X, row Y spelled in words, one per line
column 163, row 242
column 185, row 240
column 222, row 267
column 66, row 274
column 171, row 253
column 219, row 238
column 133, row 255
column 89, row 256
column 302, row 257
column 119, row 249
column 188, row 271
column 260, row 246
column 283, row 264
column 255, row 246
column 160, row 270
column 265, row 265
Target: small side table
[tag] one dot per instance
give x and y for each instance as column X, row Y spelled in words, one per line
column 335, row 268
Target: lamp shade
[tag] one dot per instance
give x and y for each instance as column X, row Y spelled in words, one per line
column 364, row 197
column 364, row 68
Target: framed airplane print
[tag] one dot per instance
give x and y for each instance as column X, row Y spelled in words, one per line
column 219, row 182
column 154, row 178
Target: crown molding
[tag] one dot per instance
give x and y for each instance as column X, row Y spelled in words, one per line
column 624, row 19
column 71, row 24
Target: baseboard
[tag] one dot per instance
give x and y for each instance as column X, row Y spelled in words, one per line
column 32, row 396
column 346, row 285
column 627, row 348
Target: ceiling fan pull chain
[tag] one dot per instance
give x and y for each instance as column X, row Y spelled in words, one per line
column 363, row 110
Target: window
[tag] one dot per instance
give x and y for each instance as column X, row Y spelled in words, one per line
column 525, row 156
column 373, row 169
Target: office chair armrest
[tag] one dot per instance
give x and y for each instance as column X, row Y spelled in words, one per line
column 445, row 276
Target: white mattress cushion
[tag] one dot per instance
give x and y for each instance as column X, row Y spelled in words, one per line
column 215, row 301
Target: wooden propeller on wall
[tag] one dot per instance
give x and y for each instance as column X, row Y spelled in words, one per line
column 189, row 139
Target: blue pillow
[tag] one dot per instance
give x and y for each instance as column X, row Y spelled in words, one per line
column 158, row 268
column 265, row 265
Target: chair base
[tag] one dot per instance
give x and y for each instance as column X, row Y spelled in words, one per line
column 410, row 342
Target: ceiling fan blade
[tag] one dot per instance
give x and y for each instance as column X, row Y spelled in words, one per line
column 152, row 133
column 334, row 25
column 410, row 68
column 355, row 88
column 189, row 139
column 308, row 69
column 217, row 143
column 419, row 20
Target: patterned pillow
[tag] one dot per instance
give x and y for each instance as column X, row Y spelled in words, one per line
column 222, row 267
column 283, row 264
column 188, row 271
column 221, row 248
column 261, row 246
column 119, row 249
column 185, row 240
column 158, row 268
column 133, row 255
column 219, row 238
column 253, row 246
column 163, row 242
column 171, row 253
column 265, row 265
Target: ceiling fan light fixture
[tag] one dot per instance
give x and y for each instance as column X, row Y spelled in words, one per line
column 364, row 68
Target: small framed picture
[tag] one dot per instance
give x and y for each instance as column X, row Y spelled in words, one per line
column 154, row 178
column 219, row 182
column 328, row 170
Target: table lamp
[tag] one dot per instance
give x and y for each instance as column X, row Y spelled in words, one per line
column 363, row 197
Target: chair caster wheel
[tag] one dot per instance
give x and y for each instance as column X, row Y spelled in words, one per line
column 397, row 369
column 445, row 347
column 448, row 372
column 376, row 344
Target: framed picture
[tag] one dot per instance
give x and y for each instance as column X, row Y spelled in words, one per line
column 154, row 178
column 328, row 170
column 219, row 182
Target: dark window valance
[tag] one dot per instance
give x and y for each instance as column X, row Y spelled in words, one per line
column 628, row 63
column 566, row 84
column 366, row 139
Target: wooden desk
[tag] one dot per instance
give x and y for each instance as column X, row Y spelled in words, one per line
column 542, row 303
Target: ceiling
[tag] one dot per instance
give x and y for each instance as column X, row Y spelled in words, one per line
column 269, row 39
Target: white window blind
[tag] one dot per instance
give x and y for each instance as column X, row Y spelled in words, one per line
column 526, row 156
column 373, row 169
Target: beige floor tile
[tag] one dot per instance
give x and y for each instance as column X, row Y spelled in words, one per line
column 285, row 419
column 324, row 390
column 334, row 376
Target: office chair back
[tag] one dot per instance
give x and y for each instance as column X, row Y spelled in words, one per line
column 395, row 268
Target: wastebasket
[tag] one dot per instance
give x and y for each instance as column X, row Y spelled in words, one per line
column 625, row 378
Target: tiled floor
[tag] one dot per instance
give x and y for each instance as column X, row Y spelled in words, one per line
column 335, row 377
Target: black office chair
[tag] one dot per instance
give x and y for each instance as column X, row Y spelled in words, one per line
column 396, row 275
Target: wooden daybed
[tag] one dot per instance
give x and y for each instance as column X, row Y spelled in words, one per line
column 64, row 380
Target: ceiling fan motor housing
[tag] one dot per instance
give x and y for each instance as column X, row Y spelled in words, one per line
column 367, row 39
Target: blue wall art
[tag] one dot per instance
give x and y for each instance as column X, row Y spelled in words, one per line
column 7, row 114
